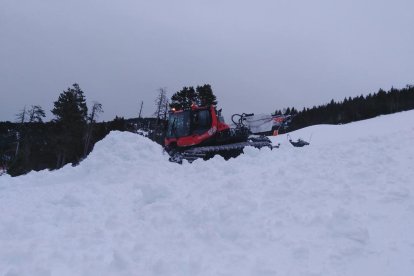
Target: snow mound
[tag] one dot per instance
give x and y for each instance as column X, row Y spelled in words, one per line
column 341, row 206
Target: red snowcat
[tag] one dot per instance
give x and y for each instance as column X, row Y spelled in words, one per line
column 200, row 132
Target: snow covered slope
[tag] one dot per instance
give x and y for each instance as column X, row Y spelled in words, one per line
column 342, row 206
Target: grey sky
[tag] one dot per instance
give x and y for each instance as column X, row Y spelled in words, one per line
column 257, row 55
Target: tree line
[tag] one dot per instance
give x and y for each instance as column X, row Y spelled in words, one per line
column 31, row 144
column 353, row 109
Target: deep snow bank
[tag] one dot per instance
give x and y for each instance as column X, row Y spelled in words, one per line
column 342, row 206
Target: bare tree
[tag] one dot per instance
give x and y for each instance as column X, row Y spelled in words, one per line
column 96, row 109
column 21, row 116
column 165, row 112
column 24, row 134
column 161, row 101
column 140, row 121
column 140, row 110
column 36, row 113
column 21, row 119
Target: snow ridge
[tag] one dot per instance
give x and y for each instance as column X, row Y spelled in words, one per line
column 341, row 206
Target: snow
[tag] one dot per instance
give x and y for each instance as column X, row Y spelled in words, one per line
column 341, row 206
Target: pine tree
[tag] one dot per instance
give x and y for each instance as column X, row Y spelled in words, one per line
column 205, row 95
column 202, row 96
column 71, row 114
column 71, row 107
column 184, row 98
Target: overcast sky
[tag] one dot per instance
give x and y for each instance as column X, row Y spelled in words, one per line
column 258, row 55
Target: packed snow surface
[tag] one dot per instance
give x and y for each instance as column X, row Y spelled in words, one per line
column 342, row 206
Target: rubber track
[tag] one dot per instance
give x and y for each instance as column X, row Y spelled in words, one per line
column 201, row 152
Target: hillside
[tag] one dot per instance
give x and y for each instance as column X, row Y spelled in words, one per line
column 341, row 206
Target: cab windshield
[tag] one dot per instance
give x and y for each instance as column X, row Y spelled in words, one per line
column 179, row 124
column 188, row 122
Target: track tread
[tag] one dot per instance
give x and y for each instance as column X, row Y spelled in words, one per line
column 227, row 150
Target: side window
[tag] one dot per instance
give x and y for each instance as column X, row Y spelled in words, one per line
column 204, row 119
column 201, row 121
column 183, row 124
